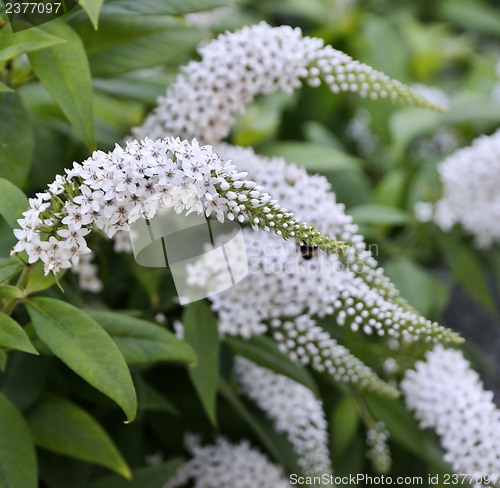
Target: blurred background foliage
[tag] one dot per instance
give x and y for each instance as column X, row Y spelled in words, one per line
column 81, row 82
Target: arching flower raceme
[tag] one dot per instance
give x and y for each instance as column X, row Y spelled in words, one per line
column 226, row 465
column 259, row 59
column 294, row 410
column 447, row 395
column 105, row 188
column 281, row 283
column 471, row 179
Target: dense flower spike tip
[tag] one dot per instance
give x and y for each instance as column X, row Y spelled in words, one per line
column 378, row 452
column 105, row 188
column 259, row 59
column 471, row 196
column 447, row 395
column 294, row 410
column 226, row 465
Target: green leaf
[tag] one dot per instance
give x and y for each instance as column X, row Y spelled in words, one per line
column 141, row 341
column 9, row 291
column 13, row 202
column 60, row 426
column 29, row 40
column 65, row 73
column 344, row 424
column 4, row 88
column 8, row 266
column 18, row 468
column 263, row 351
column 474, row 15
column 13, row 336
column 126, row 43
column 379, row 214
column 86, row 348
column 148, row 477
column 25, row 378
column 243, row 412
column 16, row 139
column 200, row 330
column 466, row 269
column 93, row 8
column 3, row 359
column 38, row 281
column 160, row 7
column 313, row 157
column 424, row 291
column 151, row 399
column 400, row 423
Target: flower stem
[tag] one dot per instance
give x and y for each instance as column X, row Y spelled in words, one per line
column 11, row 303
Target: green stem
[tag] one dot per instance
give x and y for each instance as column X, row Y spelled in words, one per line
column 11, row 303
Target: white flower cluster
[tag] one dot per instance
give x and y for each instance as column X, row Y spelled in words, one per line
column 282, row 282
column 471, row 196
column 294, row 410
column 226, row 465
column 106, row 188
column 259, row 59
column 447, row 395
column 378, row 452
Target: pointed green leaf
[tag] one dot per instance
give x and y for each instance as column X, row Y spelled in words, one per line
column 64, row 71
column 379, row 214
column 313, row 157
column 18, row 467
column 16, row 139
column 344, row 424
column 13, row 336
column 4, row 88
column 93, row 8
column 8, row 266
column 466, row 269
column 263, row 351
column 160, row 7
column 39, row 281
column 148, row 477
column 3, row 359
column 200, row 330
column 9, row 291
column 141, row 341
column 86, row 348
column 13, row 44
column 60, row 426
column 13, row 202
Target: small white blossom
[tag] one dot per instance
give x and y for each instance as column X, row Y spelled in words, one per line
column 226, row 465
column 294, row 410
column 260, row 59
column 448, row 396
column 471, row 196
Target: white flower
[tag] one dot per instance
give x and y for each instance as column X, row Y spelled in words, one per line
column 260, row 59
column 447, row 395
column 226, row 465
column 471, row 196
column 294, row 410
